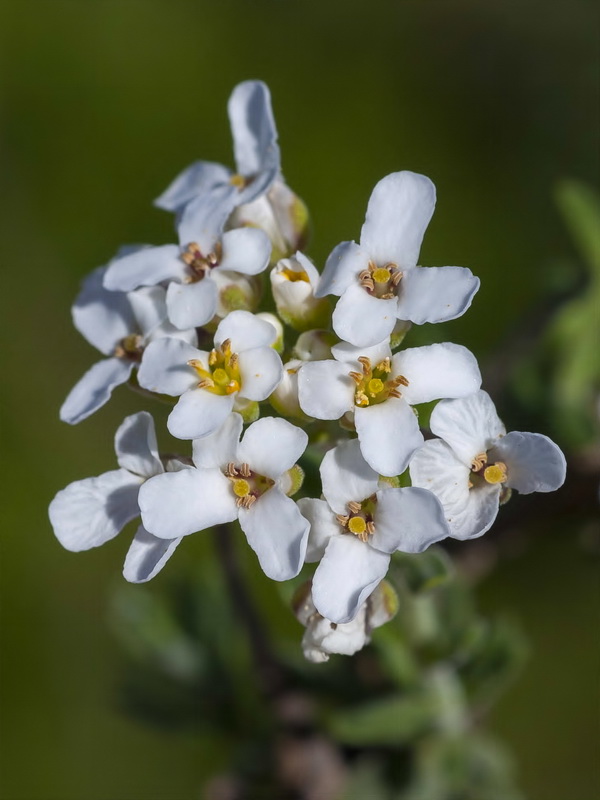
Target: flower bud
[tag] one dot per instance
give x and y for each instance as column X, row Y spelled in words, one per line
column 314, row 345
column 285, row 397
column 293, row 282
column 236, row 292
column 276, row 323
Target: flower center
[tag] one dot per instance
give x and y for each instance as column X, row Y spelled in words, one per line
column 374, row 384
column 359, row 520
column 294, row 275
column 247, row 485
column 381, row 282
column 238, row 181
column 130, row 348
column 198, row 263
column 223, row 373
column 481, row 471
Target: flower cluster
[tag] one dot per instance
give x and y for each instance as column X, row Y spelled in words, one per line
column 183, row 320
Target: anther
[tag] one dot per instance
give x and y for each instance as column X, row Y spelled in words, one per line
column 354, row 507
column 394, row 393
column 366, row 364
column 206, row 383
column 245, row 470
column 396, row 277
column 213, row 357
column 479, row 461
column 342, row 519
column 385, row 365
column 230, row 470
column 356, row 377
column 370, row 528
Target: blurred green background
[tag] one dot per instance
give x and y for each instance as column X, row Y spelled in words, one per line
column 102, row 103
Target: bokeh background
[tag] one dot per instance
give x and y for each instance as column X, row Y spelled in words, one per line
column 101, row 104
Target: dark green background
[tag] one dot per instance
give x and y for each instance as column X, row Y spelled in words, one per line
column 102, row 103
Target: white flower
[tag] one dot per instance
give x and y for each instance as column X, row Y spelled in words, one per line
column 242, row 365
column 293, row 282
column 120, row 326
column 474, row 459
column 378, row 281
column 357, row 527
column 322, row 637
column 233, row 479
column 256, row 153
column 380, row 389
column 189, row 268
column 92, row 511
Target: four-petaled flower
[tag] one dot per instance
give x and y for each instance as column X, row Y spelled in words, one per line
column 358, row 526
column 120, row 326
column 242, row 366
column 380, row 389
column 92, row 511
column 233, row 479
column 475, row 461
column 378, row 280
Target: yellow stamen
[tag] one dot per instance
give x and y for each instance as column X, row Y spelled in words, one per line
column 241, row 488
column 375, row 386
column 495, row 473
column 238, row 181
column 357, row 525
column 294, row 275
column 381, row 275
column 232, row 386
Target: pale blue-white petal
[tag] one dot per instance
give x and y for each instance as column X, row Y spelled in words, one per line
column 245, row 250
column 146, row 556
column 348, row 573
column 176, row 504
column 325, row 390
column 101, row 316
column 349, row 353
column 200, row 178
column 271, row 446
column 245, row 331
column 470, row 425
column 136, row 447
column 408, row 520
column 165, row 369
column 435, row 294
column 342, row 268
column 203, row 218
column 145, row 267
column 191, row 305
column 323, row 525
column 94, row 389
column 221, row 447
column 346, row 477
column 199, row 413
column 90, row 512
column 533, row 462
column 362, row 319
column 278, row 534
column 435, row 371
column 261, row 371
column 398, row 214
column 388, row 434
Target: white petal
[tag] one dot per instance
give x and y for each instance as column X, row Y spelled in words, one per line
column 361, row 319
column 534, row 463
column 438, row 370
column 346, row 477
column 136, row 447
column 349, row 353
column 325, row 390
column 469, row 512
column 203, row 218
column 245, row 331
column 261, row 371
column 470, row 425
column 199, row 413
column 145, row 267
column 191, row 305
column 254, row 136
column 178, row 503
column 271, row 446
column 278, row 534
column 398, row 214
column 408, row 520
column 245, row 250
column 95, row 389
column 146, row 556
column 90, row 512
column 201, row 177
column 323, row 525
column 165, row 368
column 342, row 268
column 102, row 317
column 149, row 306
column 389, row 434
column 435, row 294
column 348, row 573
column 221, row 447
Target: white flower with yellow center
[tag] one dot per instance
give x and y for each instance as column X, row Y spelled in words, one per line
column 242, row 366
column 379, row 389
column 120, row 326
column 293, row 283
column 378, row 280
column 92, row 511
column 475, row 461
column 190, row 267
column 357, row 527
column 233, row 479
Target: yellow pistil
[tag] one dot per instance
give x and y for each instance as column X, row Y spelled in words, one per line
column 222, row 373
column 359, row 522
column 241, row 488
column 238, row 181
column 357, row 525
column 374, row 384
column 381, row 282
column 495, row 473
column 294, row 275
column 381, row 275
column 247, row 485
